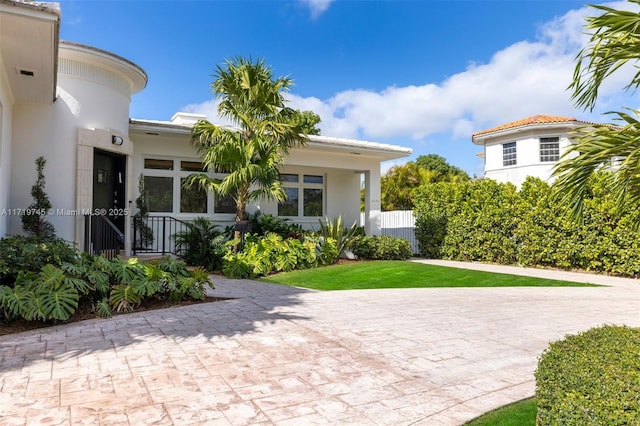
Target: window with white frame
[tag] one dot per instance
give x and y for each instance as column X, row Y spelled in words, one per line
column 509, row 154
column 166, row 192
column 549, row 149
column 305, row 195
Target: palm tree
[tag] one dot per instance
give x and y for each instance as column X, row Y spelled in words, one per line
column 253, row 150
column 614, row 42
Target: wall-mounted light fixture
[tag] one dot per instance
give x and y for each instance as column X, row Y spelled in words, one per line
column 117, row 140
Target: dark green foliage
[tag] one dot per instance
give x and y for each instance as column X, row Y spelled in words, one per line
column 33, row 219
column 144, row 233
column 440, row 167
column 49, row 280
column 202, row 244
column 31, row 254
column 263, row 224
column 265, row 255
column 306, row 121
column 335, row 230
column 48, row 295
column 491, row 222
column 381, row 247
column 592, row 378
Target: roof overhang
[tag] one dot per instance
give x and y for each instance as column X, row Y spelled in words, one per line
column 132, row 73
column 29, row 37
column 481, row 139
column 382, row 152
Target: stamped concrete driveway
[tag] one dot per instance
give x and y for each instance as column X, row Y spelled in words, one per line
column 280, row 355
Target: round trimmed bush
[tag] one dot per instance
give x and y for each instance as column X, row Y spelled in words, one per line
column 592, row 378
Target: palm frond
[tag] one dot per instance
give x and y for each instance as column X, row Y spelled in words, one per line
column 601, row 148
column 615, row 41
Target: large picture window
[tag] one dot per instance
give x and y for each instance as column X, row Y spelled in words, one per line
column 509, row 154
column 158, row 193
column 165, row 190
column 305, row 195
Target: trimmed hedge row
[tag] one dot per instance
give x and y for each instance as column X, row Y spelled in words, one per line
column 381, row 247
column 592, row 378
column 489, row 221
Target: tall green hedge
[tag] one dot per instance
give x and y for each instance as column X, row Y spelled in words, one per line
column 487, row 221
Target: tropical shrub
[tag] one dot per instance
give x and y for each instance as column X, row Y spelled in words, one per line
column 335, row 230
column 48, row 281
column 381, row 247
column 31, row 254
column 263, row 224
column 592, row 378
column 265, row 255
column 202, row 244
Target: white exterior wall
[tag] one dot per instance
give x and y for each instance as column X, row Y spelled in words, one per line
column 6, row 121
column 347, row 188
column 90, row 96
column 527, row 157
column 341, row 187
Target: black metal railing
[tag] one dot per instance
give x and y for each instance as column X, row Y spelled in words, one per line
column 101, row 236
column 155, row 235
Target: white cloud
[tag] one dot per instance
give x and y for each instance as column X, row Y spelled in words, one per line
column 523, row 79
column 317, row 7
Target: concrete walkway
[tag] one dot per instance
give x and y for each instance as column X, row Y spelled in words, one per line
column 281, row 355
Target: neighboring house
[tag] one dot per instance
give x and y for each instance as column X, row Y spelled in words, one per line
column 70, row 103
column 527, row 147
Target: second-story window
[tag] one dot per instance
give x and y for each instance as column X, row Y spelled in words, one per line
column 509, row 154
column 549, row 149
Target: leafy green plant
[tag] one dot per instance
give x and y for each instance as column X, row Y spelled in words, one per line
column 144, row 233
column 381, row 247
column 491, row 222
column 47, row 295
column 103, row 309
column 263, row 224
column 334, row 229
column 124, row 298
column 31, row 254
column 271, row 253
column 202, row 244
column 33, row 219
column 591, row 378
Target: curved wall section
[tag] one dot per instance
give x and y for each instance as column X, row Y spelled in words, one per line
column 94, row 91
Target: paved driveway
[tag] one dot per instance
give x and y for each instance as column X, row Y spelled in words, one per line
column 280, row 355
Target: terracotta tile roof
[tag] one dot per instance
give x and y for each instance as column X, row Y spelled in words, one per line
column 536, row 119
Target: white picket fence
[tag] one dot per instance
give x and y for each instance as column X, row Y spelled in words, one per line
column 399, row 224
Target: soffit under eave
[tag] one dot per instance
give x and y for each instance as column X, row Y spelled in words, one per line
column 29, row 37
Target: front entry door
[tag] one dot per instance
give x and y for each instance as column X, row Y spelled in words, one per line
column 109, row 208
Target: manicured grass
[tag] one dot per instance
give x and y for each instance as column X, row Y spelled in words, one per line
column 401, row 274
column 521, row 413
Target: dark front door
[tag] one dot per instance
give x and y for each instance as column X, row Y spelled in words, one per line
column 109, row 186
column 105, row 227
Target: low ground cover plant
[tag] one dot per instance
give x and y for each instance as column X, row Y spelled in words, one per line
column 592, row 378
column 48, row 280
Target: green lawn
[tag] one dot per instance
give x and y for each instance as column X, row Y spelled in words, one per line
column 401, row 274
column 521, row 413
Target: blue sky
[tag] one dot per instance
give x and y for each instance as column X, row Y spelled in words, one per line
column 423, row 74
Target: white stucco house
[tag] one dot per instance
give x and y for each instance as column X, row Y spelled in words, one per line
column 70, row 103
column 527, row 147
